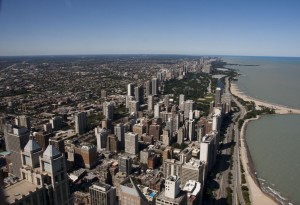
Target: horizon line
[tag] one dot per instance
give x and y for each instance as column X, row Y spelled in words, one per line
column 149, row 54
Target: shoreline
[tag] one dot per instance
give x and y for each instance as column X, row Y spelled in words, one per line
column 279, row 109
column 257, row 195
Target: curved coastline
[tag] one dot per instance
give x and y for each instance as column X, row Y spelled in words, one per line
column 257, row 194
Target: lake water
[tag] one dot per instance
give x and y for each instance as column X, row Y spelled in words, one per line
column 274, row 141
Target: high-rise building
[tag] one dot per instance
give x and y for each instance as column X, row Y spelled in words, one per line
column 108, row 110
column 48, row 127
column 150, row 102
column 156, row 110
column 15, row 140
column 125, row 165
column 148, row 88
column 23, row 121
column 101, row 137
column 139, row 94
column 208, row 150
column 218, row 97
column 154, row 86
column 139, row 129
column 119, row 131
column 89, row 154
column 181, row 99
column 53, row 167
column 194, row 192
column 166, row 137
column 191, row 130
column 166, row 101
column 155, row 130
column 112, row 143
column 188, row 106
column 56, row 122
column 193, row 170
column 131, row 143
column 80, row 122
column 102, row 194
column 42, row 138
column 133, row 106
column 130, row 89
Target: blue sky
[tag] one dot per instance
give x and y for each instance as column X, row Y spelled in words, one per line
column 204, row 27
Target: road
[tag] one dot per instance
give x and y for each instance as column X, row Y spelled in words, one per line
column 236, row 168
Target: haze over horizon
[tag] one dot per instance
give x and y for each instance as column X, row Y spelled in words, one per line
column 217, row 27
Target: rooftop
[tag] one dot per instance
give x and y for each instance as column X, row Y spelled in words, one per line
column 18, row 189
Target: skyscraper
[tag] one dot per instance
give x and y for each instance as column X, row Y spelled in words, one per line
column 102, row 194
column 150, row 102
column 218, row 97
column 101, row 137
column 188, row 106
column 23, row 121
column 15, row 140
column 80, row 122
column 148, row 87
column 119, row 131
column 156, row 110
column 181, row 99
column 154, row 86
column 191, row 130
column 139, row 94
column 130, row 90
column 108, row 110
column 125, row 165
column 131, row 143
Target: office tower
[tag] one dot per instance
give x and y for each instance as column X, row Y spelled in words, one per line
column 156, row 110
column 48, row 127
column 131, row 143
column 218, row 97
column 53, row 167
column 166, row 138
column 130, row 89
column 191, row 130
column 150, row 102
column 30, row 155
column 133, row 106
column 80, row 122
column 44, row 176
column 139, row 94
column 172, row 194
column 42, row 138
column 23, row 121
column 191, row 115
column 119, row 131
column 192, row 170
column 154, row 86
column 180, row 135
column 155, row 130
column 108, row 110
column 208, row 150
column 166, row 101
column 148, row 88
column 102, row 194
column 103, row 94
column 58, row 142
column 15, row 140
column 139, row 129
column 89, row 154
column 188, row 106
column 56, row 122
column 181, row 99
column 101, row 137
column 112, row 143
column 125, row 165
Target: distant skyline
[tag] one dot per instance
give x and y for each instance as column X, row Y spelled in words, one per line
column 202, row 27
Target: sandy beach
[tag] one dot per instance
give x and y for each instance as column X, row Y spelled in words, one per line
column 280, row 109
column 257, row 196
